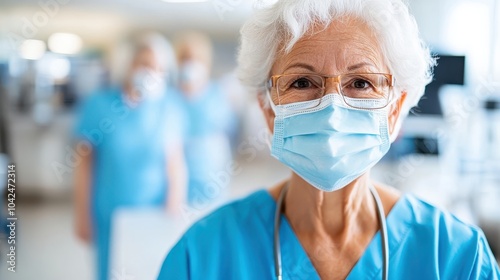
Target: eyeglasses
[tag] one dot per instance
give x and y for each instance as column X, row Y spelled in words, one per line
column 355, row 89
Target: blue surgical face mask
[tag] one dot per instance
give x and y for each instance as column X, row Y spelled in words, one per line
column 150, row 85
column 192, row 71
column 331, row 144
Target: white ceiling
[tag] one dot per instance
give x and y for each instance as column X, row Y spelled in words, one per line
column 99, row 22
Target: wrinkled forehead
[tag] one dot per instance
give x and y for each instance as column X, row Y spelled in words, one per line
column 333, row 49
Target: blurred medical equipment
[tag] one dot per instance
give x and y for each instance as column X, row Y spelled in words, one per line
column 421, row 125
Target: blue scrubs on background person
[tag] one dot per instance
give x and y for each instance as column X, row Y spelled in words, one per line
column 135, row 155
column 236, row 242
column 130, row 147
column 207, row 148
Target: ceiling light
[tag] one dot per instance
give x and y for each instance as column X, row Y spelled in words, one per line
column 32, row 49
column 65, row 43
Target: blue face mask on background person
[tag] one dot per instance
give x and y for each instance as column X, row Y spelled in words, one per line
column 192, row 71
column 149, row 84
column 331, row 144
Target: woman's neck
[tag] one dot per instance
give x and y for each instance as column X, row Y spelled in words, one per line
column 338, row 216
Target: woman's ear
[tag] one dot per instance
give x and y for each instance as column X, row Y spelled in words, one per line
column 395, row 111
column 266, row 110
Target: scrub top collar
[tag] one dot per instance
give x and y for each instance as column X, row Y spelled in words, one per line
column 297, row 265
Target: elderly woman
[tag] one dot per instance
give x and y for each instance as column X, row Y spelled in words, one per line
column 336, row 78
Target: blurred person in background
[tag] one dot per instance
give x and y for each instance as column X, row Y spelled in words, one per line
column 130, row 139
column 210, row 120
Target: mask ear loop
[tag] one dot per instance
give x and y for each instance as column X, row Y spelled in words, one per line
column 270, row 134
column 395, row 131
column 269, row 98
column 399, row 121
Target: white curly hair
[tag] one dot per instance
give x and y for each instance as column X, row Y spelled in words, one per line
column 276, row 28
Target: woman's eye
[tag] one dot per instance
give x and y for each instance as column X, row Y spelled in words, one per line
column 360, row 84
column 301, row 83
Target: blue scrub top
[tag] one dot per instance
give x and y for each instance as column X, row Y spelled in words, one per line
column 208, row 113
column 210, row 121
column 236, row 242
column 130, row 146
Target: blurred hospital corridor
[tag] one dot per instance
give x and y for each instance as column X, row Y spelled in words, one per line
column 123, row 123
